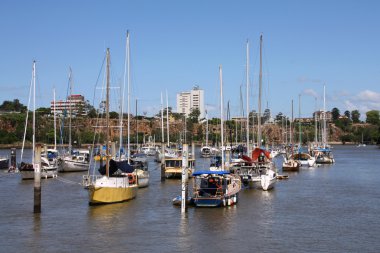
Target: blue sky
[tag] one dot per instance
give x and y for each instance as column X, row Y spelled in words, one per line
column 178, row 44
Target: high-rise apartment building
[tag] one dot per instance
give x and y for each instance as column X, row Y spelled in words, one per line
column 188, row 100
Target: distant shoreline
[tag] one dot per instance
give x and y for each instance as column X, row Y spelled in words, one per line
column 29, row 145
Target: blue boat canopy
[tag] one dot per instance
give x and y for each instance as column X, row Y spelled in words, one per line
column 324, row 149
column 209, row 172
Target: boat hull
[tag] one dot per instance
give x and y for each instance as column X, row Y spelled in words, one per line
column 177, row 172
column 108, row 195
column 290, row 165
column 325, row 160
column 142, row 178
column 267, row 182
column 4, row 164
column 216, row 202
column 29, row 174
column 73, row 166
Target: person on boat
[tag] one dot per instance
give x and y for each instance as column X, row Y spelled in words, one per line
column 261, row 157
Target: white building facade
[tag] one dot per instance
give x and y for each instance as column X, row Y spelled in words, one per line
column 76, row 102
column 188, row 100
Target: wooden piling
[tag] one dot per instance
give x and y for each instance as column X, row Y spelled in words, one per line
column 192, row 150
column 228, row 159
column 13, row 158
column 37, row 179
column 185, row 150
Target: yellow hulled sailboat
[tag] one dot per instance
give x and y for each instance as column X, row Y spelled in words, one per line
column 118, row 182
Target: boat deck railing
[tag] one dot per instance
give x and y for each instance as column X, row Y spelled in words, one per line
column 87, row 180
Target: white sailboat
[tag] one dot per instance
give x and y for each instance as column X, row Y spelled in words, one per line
column 219, row 165
column 118, row 183
column 362, row 144
column 289, row 163
column 139, row 163
column 323, row 154
column 48, row 170
column 268, row 175
column 74, row 160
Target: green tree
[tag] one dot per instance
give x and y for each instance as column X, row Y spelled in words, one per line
column 347, row 114
column 176, row 116
column 92, row 113
column 373, row 117
column 279, row 117
column 194, row 115
column 335, row 113
column 114, row 115
column 43, row 111
column 355, row 116
column 13, row 106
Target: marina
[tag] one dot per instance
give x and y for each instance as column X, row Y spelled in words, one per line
column 170, row 126
column 329, row 208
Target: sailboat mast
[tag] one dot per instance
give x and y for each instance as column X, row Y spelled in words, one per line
column 315, row 124
column 247, row 95
column 291, row 133
column 324, row 117
column 70, row 109
column 108, row 112
column 260, row 91
column 167, row 117
column 162, row 120
column 299, row 119
column 34, row 109
column 55, row 121
column 137, row 133
column 206, row 129
column 221, row 114
column 129, row 98
column 122, row 98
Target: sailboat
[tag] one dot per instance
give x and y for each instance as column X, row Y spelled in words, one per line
column 263, row 162
column 290, row 164
column 207, row 150
column 48, row 170
column 302, row 156
column 323, row 154
column 118, row 182
column 216, row 187
column 75, row 160
column 362, row 144
column 140, row 163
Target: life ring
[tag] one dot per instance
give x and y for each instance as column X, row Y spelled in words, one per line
column 131, row 178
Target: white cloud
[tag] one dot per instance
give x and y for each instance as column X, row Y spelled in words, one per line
column 369, row 96
column 310, row 92
column 364, row 101
column 305, row 79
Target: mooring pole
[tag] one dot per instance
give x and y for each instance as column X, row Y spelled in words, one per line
column 228, row 159
column 13, row 158
column 37, row 179
column 185, row 150
column 46, row 151
column 192, row 150
column 162, row 162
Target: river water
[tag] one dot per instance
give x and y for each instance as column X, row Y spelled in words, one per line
column 331, row 208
